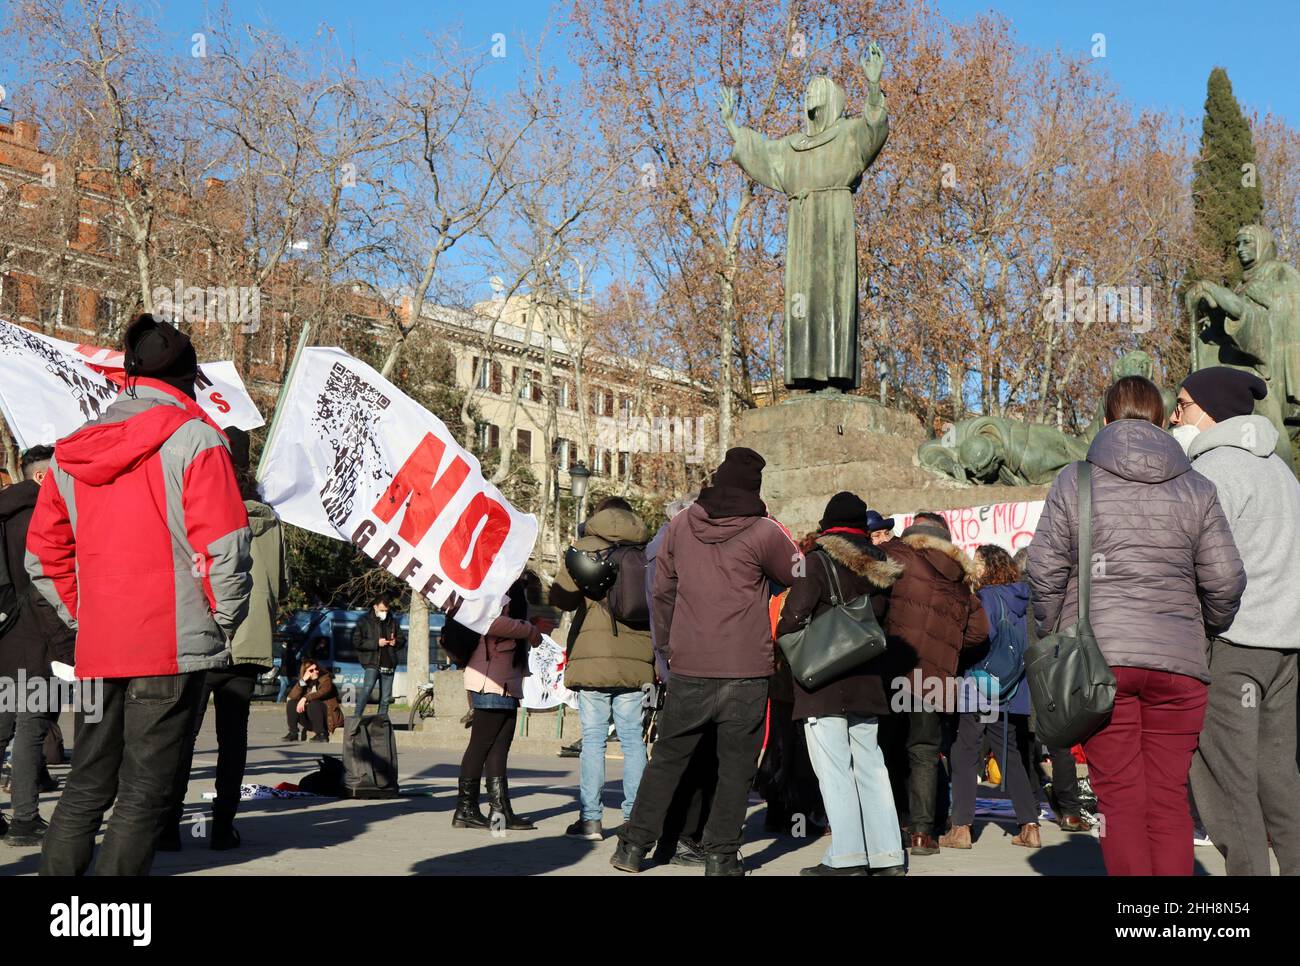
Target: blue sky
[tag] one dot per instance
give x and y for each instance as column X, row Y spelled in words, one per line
column 1158, row 51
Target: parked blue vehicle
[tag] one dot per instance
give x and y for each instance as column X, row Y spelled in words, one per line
column 326, row 634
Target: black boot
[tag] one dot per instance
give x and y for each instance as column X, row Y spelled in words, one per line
column 723, row 863
column 499, row 800
column 224, row 838
column 627, row 857
column 468, row 814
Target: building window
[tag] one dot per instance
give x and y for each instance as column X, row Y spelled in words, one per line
column 562, row 395
column 495, row 382
column 624, row 464
column 524, row 443
column 8, row 298
column 489, row 437
column 562, row 453
column 625, row 406
column 110, row 236
column 105, row 314
column 45, row 303
column 534, row 385
column 480, row 374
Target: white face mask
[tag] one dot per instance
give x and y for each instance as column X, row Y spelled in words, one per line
column 1184, row 434
column 381, row 614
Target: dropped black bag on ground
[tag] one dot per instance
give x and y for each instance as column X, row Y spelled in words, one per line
column 326, row 780
column 370, row 758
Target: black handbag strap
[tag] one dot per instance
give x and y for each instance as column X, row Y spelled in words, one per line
column 837, row 595
column 1085, row 539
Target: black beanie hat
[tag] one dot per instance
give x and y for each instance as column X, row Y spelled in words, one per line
column 741, row 469
column 238, row 446
column 1224, row 392
column 158, row 350
column 844, row 510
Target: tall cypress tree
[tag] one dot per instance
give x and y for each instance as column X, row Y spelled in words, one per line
column 1225, row 185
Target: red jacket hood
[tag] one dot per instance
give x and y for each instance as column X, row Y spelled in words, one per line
column 100, row 452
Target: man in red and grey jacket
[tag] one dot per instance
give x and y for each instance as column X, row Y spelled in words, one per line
column 140, row 541
column 713, row 581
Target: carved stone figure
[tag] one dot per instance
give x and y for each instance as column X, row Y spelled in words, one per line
column 819, row 170
column 1135, row 363
column 1255, row 326
column 997, row 449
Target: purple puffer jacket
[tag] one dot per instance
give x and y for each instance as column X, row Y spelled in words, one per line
column 1166, row 571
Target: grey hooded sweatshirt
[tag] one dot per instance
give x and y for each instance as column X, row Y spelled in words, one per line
column 1165, row 568
column 1261, row 500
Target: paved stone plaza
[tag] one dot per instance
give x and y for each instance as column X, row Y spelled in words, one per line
column 413, row 834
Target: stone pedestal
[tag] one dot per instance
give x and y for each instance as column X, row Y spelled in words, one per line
column 816, row 445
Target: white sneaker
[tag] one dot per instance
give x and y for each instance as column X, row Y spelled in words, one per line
column 1201, row 838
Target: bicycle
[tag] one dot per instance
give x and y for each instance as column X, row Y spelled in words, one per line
column 421, row 706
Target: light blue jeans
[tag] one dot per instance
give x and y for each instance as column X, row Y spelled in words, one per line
column 594, row 710
column 385, row 680
column 855, row 788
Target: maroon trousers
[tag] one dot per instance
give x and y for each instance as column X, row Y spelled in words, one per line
column 1138, row 766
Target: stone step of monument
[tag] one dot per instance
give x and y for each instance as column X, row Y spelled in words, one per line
column 817, row 413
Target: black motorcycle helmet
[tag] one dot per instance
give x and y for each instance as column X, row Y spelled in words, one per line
column 593, row 571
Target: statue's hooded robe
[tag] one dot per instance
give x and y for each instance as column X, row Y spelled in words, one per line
column 1266, row 339
column 819, row 170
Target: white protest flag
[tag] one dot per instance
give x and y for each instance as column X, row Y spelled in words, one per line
column 352, row 457
column 49, row 387
column 46, row 392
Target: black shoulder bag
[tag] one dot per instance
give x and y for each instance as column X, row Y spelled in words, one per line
column 1071, row 686
column 836, row 641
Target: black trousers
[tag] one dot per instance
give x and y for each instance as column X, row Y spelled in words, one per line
column 734, row 708
column 26, row 730
column 126, row 759
column 231, row 689
column 688, row 812
column 1065, row 781
column 925, row 738
column 313, row 717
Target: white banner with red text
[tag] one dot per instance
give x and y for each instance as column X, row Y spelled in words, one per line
column 51, row 387
column 352, row 457
column 1008, row 525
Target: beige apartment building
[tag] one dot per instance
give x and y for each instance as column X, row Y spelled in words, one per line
column 639, row 427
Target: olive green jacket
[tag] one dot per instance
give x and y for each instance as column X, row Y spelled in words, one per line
column 597, row 656
column 252, row 641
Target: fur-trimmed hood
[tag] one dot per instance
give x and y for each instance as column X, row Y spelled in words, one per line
column 862, row 559
column 947, row 558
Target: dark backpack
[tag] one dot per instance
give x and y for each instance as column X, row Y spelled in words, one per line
column 1003, row 668
column 458, row 641
column 626, row 601
column 9, row 600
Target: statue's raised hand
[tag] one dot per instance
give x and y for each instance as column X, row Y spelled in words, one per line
column 727, row 103
column 873, row 63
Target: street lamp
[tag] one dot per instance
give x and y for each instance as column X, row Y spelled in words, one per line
column 578, row 476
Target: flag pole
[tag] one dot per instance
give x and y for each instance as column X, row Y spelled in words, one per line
column 303, row 339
